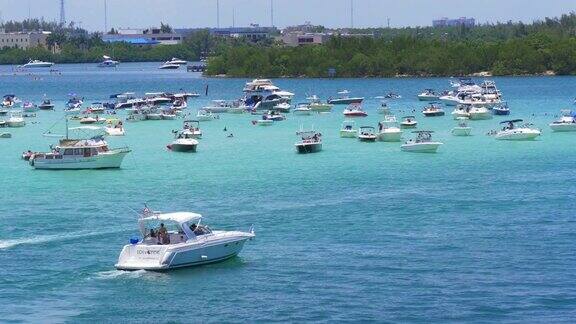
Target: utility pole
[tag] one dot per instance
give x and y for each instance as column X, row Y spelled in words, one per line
column 105, row 16
column 218, row 13
column 233, row 16
column 351, row 13
column 272, row 13
column 62, row 14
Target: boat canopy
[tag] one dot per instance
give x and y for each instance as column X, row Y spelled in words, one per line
column 178, row 217
column 511, row 121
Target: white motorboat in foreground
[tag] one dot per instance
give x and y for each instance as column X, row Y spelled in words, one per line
column 566, row 123
column 302, row 109
column 16, row 119
column 169, row 66
column 428, row 95
column 462, row 129
column 177, row 61
column 422, row 143
column 388, row 130
column 310, row 142
column 204, row 115
column 115, row 128
column 108, row 62
column 367, row 134
column 408, row 122
column 186, row 139
column 75, row 154
column 479, row 113
column 347, row 130
column 37, row 64
column 514, row 132
column 176, row 240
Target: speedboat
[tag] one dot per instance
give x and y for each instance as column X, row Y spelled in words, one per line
column 153, row 114
column 392, row 95
column 345, row 99
column 46, row 105
column 168, row 114
column 433, row 110
column 74, row 102
column 422, row 143
column 29, row 107
column 177, row 61
column 263, row 122
column 193, row 128
column 479, row 113
column 315, row 104
column 204, row 115
column 302, row 109
column 16, row 119
column 347, row 130
column 180, row 240
column 273, row 115
column 114, row 128
column 501, row 110
column 218, row 106
column 408, row 122
column 461, row 111
column 367, row 134
column 566, row 123
column 384, row 109
column 37, row 64
column 282, row 107
column 10, row 101
column 74, row 154
column 108, row 62
column 157, row 98
column 310, row 142
column 184, row 141
column 514, row 132
column 354, row 110
column 169, row 66
column 92, row 120
column 462, row 129
column 95, row 108
column 428, row 95
column 388, row 130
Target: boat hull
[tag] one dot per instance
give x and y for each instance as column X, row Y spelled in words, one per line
column 518, row 135
column 110, row 160
column 428, row 98
column 461, row 131
column 166, row 257
column 430, row 147
column 348, row 133
column 563, row 127
column 345, row 101
column 308, row 148
column 390, row 136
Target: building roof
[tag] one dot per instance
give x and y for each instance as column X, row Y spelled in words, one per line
column 132, row 40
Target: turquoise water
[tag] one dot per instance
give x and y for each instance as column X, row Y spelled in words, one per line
column 481, row 231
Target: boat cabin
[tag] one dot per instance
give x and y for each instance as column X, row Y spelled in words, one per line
column 171, row 228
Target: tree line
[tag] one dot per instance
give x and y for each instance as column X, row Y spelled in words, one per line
column 503, row 49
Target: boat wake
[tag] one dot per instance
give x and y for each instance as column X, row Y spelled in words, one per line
column 115, row 274
column 7, row 244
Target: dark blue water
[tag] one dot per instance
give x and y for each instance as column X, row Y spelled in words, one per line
column 481, row 231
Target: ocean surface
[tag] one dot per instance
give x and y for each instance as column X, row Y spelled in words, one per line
column 482, row 231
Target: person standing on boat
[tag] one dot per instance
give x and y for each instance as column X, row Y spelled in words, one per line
column 163, row 235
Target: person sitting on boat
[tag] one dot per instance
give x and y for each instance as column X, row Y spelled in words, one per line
column 163, row 237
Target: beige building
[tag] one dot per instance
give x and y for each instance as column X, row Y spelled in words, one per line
column 300, row 39
column 23, row 40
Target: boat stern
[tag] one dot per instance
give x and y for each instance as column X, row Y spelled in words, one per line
column 143, row 257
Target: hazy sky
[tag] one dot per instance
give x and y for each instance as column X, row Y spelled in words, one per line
column 330, row 13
